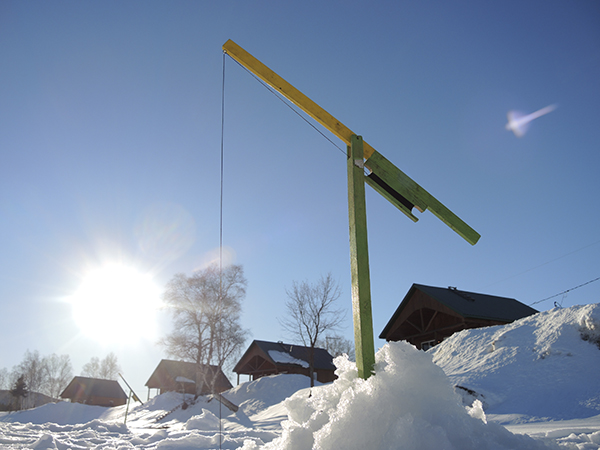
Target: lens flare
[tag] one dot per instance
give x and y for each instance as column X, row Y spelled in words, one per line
column 518, row 122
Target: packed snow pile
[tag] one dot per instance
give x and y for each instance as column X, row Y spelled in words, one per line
column 254, row 396
column 409, row 404
column 543, row 366
column 546, row 366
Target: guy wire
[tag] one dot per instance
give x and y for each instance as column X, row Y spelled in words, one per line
column 221, row 239
column 286, row 103
column 564, row 292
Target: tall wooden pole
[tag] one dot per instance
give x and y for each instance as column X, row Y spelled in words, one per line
column 359, row 261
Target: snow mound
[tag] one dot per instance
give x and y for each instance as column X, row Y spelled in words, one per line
column 541, row 366
column 205, row 421
column 255, row 396
column 408, row 404
column 61, row 413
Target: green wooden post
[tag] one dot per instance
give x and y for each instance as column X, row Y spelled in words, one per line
column 359, row 261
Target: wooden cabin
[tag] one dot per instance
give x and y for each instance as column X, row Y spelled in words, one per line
column 95, row 391
column 188, row 377
column 428, row 315
column 270, row 358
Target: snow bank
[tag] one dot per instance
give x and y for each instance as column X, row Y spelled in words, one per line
column 255, row 396
column 544, row 366
column 409, row 404
column 61, row 413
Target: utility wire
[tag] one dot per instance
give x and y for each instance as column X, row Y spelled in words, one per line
column 541, row 265
column 564, row 292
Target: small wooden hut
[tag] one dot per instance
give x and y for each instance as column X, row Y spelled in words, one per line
column 270, row 358
column 95, row 391
column 427, row 315
column 188, row 377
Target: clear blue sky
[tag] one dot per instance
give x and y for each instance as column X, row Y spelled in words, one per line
column 110, row 131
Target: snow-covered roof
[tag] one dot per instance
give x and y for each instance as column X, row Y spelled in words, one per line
column 286, row 358
column 322, row 359
column 184, row 380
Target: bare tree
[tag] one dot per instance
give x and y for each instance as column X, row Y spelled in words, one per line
column 107, row 368
column 58, row 374
column 311, row 313
column 4, row 380
column 337, row 345
column 206, row 310
column 92, row 368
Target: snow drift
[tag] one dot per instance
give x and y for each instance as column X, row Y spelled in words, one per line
column 409, row 404
column 545, row 366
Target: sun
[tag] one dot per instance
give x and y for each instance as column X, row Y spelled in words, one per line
column 116, row 303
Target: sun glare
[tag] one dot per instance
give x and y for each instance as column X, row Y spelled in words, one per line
column 116, row 303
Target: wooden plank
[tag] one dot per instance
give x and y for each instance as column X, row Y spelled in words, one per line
column 359, row 262
column 417, row 195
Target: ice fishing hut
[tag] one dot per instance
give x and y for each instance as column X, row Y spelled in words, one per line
column 264, row 358
column 428, row 314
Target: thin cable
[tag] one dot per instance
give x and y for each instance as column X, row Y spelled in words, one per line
column 286, row 103
column 564, row 292
column 541, row 265
column 221, row 239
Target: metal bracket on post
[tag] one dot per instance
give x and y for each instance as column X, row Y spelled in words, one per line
column 359, row 261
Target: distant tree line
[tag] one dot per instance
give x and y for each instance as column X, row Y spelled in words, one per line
column 49, row 376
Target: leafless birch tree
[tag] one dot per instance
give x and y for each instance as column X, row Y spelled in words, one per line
column 311, row 312
column 106, row 369
column 206, row 308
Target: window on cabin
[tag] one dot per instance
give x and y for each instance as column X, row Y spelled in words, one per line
column 426, row 345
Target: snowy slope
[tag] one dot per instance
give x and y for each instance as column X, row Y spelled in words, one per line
column 536, row 367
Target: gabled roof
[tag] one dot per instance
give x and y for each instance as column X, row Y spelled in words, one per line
column 182, row 370
column 281, row 354
column 173, row 369
column 87, row 387
column 470, row 305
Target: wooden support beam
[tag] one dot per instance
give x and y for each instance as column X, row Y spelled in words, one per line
column 416, row 327
column 359, row 261
column 431, row 321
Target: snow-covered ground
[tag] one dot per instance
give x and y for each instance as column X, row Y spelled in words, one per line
column 532, row 384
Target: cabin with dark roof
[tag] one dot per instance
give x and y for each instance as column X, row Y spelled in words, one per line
column 95, row 391
column 428, row 315
column 264, row 358
column 187, row 377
